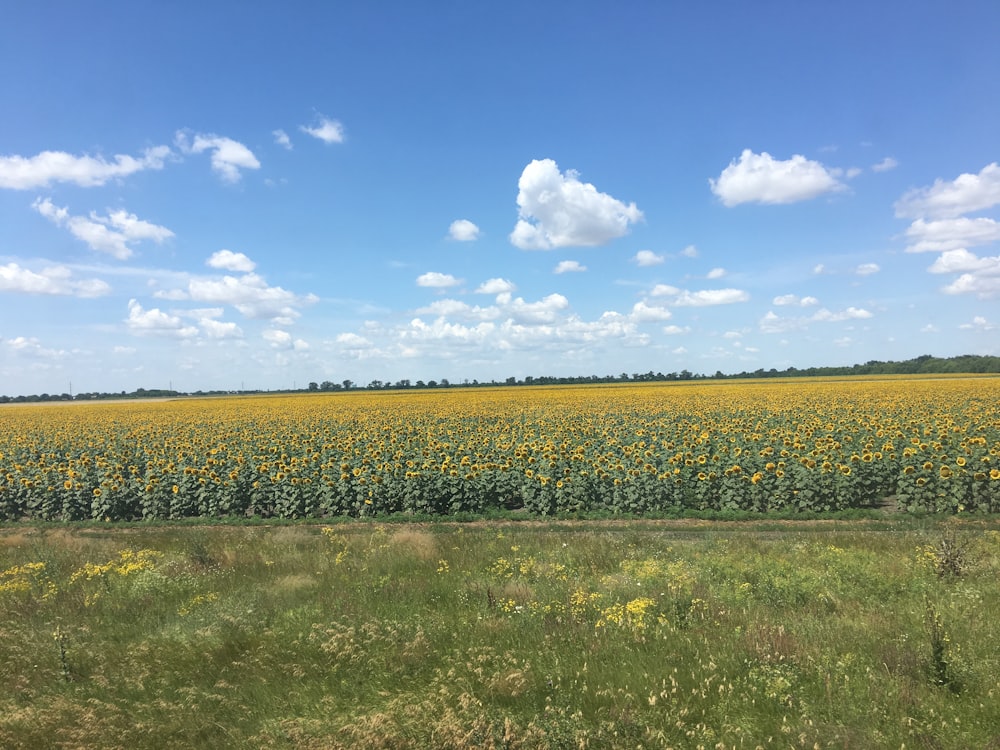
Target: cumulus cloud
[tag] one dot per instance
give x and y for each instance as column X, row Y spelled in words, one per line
column 793, row 299
column 702, row 298
column 277, row 338
column 951, row 234
column 962, row 261
column 979, row 323
column 155, row 322
column 643, row 312
column 690, row 252
column 328, row 131
column 983, row 285
column 851, row 313
column 648, row 258
column 251, row 295
column 435, row 280
column 545, row 327
column 673, row 330
column 569, row 266
column 867, row 269
column 463, row 230
column 30, row 347
column 218, row 329
column 543, row 311
column 27, row 173
column 457, row 308
column 496, row 286
column 54, row 280
column 760, row 178
column 944, row 200
column 557, row 210
column 774, row 323
column 716, row 273
column 228, row 156
column 111, row 234
column 282, row 139
column 885, row 165
column 229, row 261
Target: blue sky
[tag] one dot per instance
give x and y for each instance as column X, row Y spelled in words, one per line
column 259, row 194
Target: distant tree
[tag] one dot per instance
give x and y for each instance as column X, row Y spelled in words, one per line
column 313, row 386
column 348, row 384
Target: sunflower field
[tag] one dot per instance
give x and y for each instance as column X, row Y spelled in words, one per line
column 795, row 445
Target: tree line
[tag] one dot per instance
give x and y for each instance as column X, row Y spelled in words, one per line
column 923, row 365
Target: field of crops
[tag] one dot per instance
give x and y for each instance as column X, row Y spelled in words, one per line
column 798, row 445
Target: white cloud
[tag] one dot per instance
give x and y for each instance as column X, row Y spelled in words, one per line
column 773, row 323
column 569, row 266
column 885, row 165
column 353, row 340
column 716, row 273
column 676, row 330
column 690, row 252
column 463, row 230
column 155, row 322
column 759, row 178
column 54, row 280
column 867, row 269
column 979, row 323
column 277, row 338
column 218, row 329
column 109, row 234
column 435, row 280
column 31, row 347
column 962, row 261
column 792, row 299
column 983, row 286
column 228, row 156
column 819, row 269
column 945, row 200
column 643, row 312
column 20, row 173
column 496, row 286
column 251, row 295
column 543, row 311
column 851, row 313
column 558, row 210
column 950, row 234
column 328, row 131
column 230, row 261
column 539, row 329
column 702, row 298
column 457, row 308
column 648, row 258
column 282, row 139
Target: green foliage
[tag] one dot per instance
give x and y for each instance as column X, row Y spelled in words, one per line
column 607, row 634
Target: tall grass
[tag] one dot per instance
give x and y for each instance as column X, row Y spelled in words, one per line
column 501, row 635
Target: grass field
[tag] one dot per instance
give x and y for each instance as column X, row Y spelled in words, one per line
column 686, row 634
